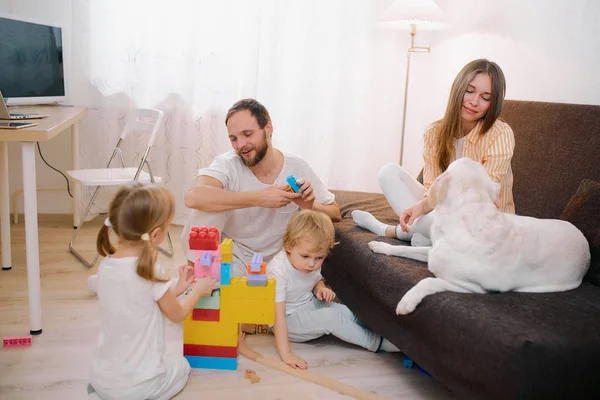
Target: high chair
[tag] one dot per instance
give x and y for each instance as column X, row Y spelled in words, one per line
column 138, row 120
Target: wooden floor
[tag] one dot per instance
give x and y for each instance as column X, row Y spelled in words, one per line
column 56, row 366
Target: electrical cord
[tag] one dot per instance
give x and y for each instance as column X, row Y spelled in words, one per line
column 46, row 162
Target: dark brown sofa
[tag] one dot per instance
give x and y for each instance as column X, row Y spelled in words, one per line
column 493, row 346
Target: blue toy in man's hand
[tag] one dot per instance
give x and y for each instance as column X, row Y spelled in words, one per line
column 293, row 184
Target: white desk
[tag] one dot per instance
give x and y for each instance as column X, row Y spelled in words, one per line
column 60, row 119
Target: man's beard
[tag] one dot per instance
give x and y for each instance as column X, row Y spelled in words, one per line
column 261, row 152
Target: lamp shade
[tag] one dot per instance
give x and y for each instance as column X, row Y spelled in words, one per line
column 425, row 14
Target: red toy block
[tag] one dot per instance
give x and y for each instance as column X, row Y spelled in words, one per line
column 204, row 238
column 17, row 341
column 210, row 351
column 263, row 269
column 201, row 314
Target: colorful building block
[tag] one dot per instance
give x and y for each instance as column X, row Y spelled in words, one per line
column 257, row 280
column 227, row 251
column 211, row 331
column 210, row 351
column 223, row 333
column 213, row 362
column 257, row 260
column 291, row 180
column 262, row 270
column 204, row 238
column 225, row 273
column 16, row 341
column 202, row 314
column 408, row 363
column 210, row 303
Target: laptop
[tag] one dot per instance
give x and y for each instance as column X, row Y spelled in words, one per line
column 5, row 114
column 16, row 125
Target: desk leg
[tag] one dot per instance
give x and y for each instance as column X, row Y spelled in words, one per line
column 5, row 212
column 76, row 188
column 31, row 238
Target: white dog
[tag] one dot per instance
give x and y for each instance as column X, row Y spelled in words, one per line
column 478, row 249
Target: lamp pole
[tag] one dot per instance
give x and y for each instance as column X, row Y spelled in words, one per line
column 411, row 49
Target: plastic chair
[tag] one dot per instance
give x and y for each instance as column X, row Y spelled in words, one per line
column 138, row 120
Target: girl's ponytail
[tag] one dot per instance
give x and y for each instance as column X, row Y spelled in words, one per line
column 103, row 243
column 147, row 261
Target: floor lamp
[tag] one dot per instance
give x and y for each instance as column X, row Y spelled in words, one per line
column 412, row 14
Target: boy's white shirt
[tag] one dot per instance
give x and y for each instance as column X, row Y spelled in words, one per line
column 131, row 343
column 258, row 227
column 292, row 286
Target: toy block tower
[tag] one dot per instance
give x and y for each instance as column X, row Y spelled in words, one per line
column 211, row 331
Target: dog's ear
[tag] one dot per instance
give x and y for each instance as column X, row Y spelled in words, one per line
column 438, row 190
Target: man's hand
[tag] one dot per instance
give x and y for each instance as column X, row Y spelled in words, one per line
column 324, row 293
column 276, row 197
column 308, row 197
column 293, row 361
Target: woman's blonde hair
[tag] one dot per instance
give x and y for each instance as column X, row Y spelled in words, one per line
column 452, row 121
column 135, row 211
column 312, row 225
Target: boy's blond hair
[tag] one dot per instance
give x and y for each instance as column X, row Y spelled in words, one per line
column 312, row 225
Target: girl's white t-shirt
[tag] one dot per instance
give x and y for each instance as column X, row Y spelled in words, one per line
column 292, row 286
column 131, row 344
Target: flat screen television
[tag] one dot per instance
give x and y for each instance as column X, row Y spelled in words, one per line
column 32, row 68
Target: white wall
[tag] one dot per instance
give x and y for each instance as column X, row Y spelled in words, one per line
column 57, row 151
column 548, row 50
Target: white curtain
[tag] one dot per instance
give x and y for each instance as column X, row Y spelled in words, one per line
column 330, row 78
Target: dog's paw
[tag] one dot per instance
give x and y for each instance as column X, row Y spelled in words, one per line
column 380, row 247
column 407, row 304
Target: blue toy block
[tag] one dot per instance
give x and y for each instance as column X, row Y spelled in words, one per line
column 292, row 182
column 206, row 259
column 408, row 363
column 225, row 273
column 257, row 280
column 257, row 260
column 212, row 362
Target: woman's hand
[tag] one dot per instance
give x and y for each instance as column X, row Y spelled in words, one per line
column 293, row 360
column 409, row 215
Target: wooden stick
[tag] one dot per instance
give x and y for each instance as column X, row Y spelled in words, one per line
column 329, row 383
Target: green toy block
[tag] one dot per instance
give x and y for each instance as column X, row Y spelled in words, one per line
column 210, row 303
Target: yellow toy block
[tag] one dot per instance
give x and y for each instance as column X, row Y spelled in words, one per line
column 239, row 289
column 226, row 251
column 248, row 311
column 224, row 333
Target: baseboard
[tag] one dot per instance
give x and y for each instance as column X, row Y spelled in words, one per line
column 47, row 218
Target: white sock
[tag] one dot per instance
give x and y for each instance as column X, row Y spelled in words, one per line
column 388, row 347
column 400, row 234
column 368, row 221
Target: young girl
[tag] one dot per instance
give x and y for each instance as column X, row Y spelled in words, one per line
column 129, row 361
column 470, row 128
column 303, row 307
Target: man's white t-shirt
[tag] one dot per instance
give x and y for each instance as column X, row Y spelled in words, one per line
column 293, row 286
column 131, row 344
column 256, row 228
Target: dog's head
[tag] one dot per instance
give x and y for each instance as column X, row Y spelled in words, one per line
column 461, row 176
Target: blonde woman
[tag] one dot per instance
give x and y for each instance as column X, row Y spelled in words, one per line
column 470, row 128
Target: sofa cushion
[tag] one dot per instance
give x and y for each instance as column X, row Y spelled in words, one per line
column 583, row 211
